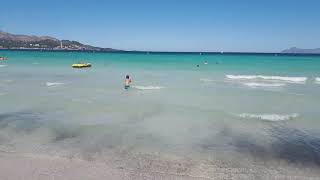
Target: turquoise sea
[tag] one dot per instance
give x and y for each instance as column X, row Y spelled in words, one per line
column 236, row 108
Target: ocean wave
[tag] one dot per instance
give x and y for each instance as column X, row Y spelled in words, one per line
column 49, row 84
column 270, row 117
column 3, row 65
column 277, row 78
column 317, row 80
column 256, row 85
column 148, row 87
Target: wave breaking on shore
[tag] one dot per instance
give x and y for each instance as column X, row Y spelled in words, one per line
column 256, row 85
column 268, row 78
column 270, row 117
column 148, row 87
column 52, row 84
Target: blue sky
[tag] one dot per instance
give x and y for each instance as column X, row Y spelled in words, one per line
column 170, row 25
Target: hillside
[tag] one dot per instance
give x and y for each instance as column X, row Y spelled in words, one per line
column 15, row 41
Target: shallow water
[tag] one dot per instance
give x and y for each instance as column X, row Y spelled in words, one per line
column 236, row 107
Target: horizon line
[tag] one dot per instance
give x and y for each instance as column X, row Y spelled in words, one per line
column 164, row 52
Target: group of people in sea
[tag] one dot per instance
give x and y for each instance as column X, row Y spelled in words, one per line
column 128, row 80
column 205, row 63
column 3, row 58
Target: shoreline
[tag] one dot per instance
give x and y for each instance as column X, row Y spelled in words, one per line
column 29, row 167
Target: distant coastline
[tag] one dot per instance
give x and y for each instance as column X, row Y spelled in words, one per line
column 43, row 43
column 295, row 50
column 14, row 42
column 161, row 52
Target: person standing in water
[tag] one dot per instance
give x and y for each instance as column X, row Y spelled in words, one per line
column 127, row 82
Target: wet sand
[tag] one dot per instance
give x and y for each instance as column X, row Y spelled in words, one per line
column 30, row 167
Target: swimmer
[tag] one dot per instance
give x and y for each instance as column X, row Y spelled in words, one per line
column 127, row 82
column 197, row 65
column 205, row 62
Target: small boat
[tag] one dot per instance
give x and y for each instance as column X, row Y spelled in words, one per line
column 81, row 65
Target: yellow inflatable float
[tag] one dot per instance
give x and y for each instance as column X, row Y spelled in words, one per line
column 81, row 65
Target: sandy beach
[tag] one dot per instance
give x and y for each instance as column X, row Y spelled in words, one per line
column 157, row 90
column 29, row 167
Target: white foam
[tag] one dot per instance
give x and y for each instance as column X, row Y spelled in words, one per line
column 277, row 78
column 206, row 80
column 270, row 117
column 3, row 65
column 35, row 63
column 49, row 84
column 256, row 85
column 8, row 80
column 317, row 80
column 148, row 87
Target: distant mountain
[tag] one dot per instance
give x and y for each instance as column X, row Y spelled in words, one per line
column 15, row 41
column 26, row 38
column 295, row 50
